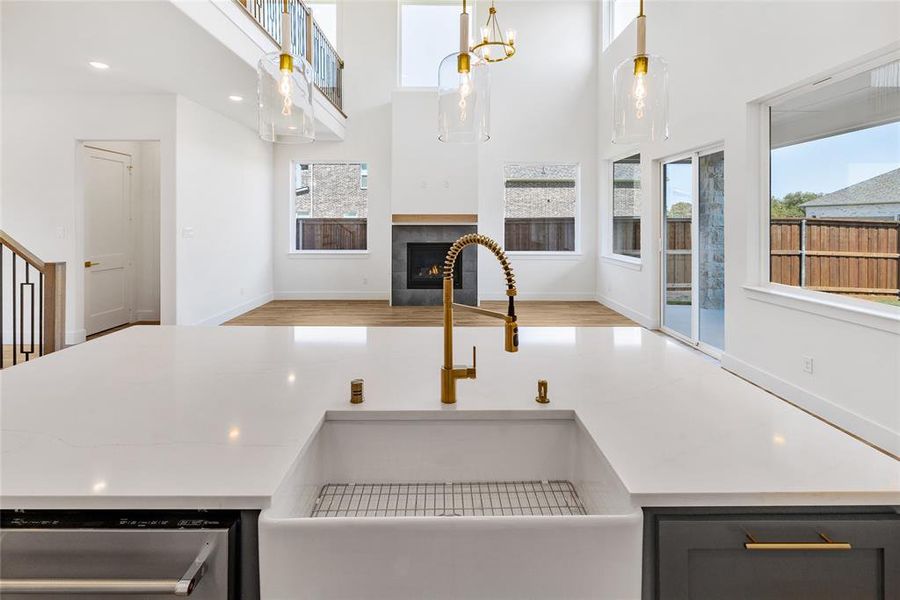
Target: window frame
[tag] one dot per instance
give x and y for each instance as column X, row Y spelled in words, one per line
column 608, row 212
column 293, row 251
column 577, row 252
column 471, row 8
column 759, row 286
column 609, row 23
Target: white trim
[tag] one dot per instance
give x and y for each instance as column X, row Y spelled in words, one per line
column 146, row 315
column 236, row 311
column 79, row 336
column 577, row 252
column 620, row 260
column 301, row 254
column 541, row 296
column 835, row 306
column 825, row 409
column 607, row 203
column 638, row 317
column 832, row 306
column 332, row 295
column 544, row 255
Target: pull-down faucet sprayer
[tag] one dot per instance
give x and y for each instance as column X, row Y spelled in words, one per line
column 449, row 372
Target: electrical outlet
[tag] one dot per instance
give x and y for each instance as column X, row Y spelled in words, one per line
column 808, row 364
column 242, row 291
column 365, row 281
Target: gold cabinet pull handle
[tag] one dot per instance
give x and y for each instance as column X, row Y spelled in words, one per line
column 826, row 544
column 88, row 264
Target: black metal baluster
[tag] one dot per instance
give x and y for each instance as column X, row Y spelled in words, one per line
column 22, row 286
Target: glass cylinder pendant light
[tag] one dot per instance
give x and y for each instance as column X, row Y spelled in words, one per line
column 464, row 97
column 285, row 93
column 641, row 88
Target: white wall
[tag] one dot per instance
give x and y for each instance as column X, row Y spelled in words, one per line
column 722, row 56
column 41, row 178
column 368, row 30
column 224, row 216
column 544, row 108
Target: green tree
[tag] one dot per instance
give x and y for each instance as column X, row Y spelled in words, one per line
column 789, row 206
column 680, row 210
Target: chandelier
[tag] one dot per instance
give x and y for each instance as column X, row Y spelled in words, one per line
column 495, row 46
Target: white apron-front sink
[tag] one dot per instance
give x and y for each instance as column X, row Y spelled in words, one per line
column 512, row 504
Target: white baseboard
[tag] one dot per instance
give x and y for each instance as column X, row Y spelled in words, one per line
column 332, row 295
column 539, row 296
column 146, row 315
column 839, row 416
column 632, row 314
column 76, row 337
column 237, row 310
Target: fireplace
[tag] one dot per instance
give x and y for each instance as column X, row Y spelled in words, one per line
column 417, row 264
column 425, row 266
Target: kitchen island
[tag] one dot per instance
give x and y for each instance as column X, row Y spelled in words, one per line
column 188, row 418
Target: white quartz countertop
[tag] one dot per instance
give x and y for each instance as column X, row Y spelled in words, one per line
column 213, row 417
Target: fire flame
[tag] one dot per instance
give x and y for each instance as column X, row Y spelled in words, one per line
column 434, row 271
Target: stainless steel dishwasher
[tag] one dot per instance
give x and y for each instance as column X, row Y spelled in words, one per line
column 110, row 554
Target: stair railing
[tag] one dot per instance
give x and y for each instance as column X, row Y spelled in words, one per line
column 32, row 304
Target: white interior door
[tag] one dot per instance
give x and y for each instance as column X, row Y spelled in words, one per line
column 107, row 239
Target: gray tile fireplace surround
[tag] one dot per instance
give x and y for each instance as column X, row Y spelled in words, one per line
column 401, row 235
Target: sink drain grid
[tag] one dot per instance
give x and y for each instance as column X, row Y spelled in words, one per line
column 448, row 499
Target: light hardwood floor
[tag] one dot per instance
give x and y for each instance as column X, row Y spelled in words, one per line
column 377, row 313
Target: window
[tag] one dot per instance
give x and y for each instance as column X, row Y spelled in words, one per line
column 626, row 206
column 330, row 205
column 429, row 31
column 325, row 14
column 619, row 14
column 835, row 187
column 541, row 204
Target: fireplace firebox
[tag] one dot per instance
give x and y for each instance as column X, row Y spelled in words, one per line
column 425, row 266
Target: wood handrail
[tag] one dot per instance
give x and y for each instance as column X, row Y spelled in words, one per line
column 20, row 250
column 47, row 313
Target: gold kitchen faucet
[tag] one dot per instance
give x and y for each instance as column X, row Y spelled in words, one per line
column 449, row 372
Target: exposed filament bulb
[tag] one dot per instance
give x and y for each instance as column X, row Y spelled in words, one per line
column 284, row 88
column 639, row 93
column 465, row 90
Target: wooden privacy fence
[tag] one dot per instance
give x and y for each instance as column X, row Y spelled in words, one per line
column 331, row 234
column 842, row 256
column 549, row 234
column 626, row 239
column 678, row 253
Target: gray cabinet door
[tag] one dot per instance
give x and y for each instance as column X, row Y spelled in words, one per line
column 705, row 558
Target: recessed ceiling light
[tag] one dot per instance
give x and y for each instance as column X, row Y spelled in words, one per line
column 235, row 98
column 99, row 65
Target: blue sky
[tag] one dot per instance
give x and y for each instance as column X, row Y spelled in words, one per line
column 833, row 163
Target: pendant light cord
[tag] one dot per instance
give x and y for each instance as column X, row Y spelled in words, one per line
column 640, row 13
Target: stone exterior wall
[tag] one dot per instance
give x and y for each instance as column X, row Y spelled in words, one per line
column 333, row 191
column 711, row 223
column 626, row 189
column 540, row 191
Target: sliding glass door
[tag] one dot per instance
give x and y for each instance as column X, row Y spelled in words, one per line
column 693, row 249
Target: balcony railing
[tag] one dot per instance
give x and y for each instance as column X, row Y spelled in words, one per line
column 308, row 42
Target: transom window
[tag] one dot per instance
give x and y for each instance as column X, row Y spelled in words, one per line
column 626, row 206
column 835, row 187
column 619, row 14
column 540, row 207
column 330, row 206
column 429, row 31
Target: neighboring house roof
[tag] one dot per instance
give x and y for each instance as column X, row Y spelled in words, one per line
column 881, row 189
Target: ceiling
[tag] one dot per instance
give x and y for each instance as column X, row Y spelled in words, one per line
column 151, row 47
